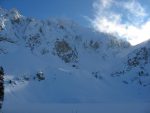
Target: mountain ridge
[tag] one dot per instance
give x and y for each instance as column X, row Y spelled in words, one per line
column 60, row 61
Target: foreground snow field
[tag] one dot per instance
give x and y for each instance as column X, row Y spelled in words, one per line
column 25, row 98
column 79, row 108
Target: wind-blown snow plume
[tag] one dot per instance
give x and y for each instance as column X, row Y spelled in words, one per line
column 127, row 19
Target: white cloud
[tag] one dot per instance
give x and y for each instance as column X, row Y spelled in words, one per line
column 122, row 18
column 135, row 8
column 106, row 3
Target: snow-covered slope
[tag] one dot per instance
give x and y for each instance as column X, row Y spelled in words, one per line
column 59, row 61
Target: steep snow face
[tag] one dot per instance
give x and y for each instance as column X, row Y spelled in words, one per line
column 136, row 66
column 58, row 61
column 39, row 41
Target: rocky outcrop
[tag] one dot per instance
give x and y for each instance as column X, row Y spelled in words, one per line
column 65, row 51
column 135, row 70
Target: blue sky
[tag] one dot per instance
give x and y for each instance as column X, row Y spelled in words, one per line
column 128, row 19
column 73, row 9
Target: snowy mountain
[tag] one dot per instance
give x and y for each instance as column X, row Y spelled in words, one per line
column 59, row 61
